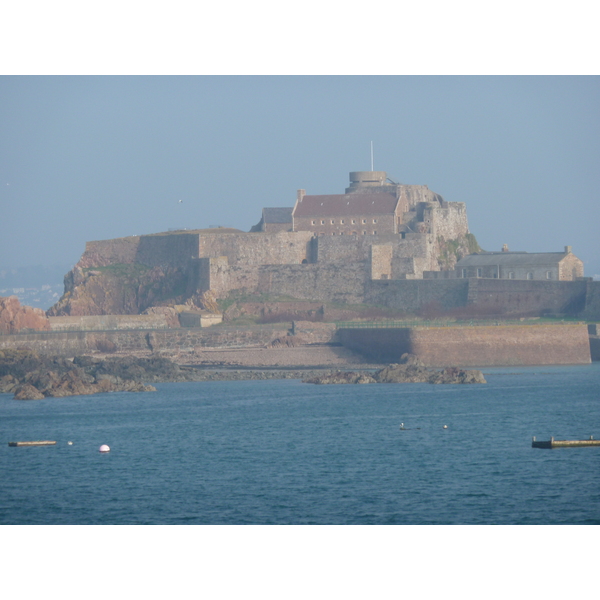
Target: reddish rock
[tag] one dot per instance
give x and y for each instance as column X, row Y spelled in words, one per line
column 15, row 318
column 27, row 392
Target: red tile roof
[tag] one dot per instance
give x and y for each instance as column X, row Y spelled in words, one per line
column 346, row 205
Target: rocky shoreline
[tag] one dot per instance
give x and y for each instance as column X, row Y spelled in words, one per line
column 31, row 376
column 402, row 374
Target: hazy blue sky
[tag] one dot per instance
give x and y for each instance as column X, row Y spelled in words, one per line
column 95, row 157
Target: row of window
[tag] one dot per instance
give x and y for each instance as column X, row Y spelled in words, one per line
column 511, row 274
column 351, row 233
column 353, row 221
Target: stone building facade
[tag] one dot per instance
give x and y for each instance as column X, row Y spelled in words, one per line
column 546, row 266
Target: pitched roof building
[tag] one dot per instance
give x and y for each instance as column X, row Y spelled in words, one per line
column 551, row 266
column 275, row 219
column 372, row 205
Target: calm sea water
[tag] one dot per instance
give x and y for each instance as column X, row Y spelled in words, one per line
column 284, row 452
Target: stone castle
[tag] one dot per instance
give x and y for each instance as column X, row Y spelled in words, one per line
column 381, row 242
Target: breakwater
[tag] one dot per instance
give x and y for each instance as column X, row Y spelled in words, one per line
column 488, row 345
column 460, row 346
column 71, row 343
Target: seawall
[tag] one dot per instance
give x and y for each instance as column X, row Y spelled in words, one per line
column 501, row 345
column 472, row 346
column 73, row 343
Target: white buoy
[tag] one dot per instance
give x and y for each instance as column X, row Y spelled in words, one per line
column 70, row 443
column 104, row 448
column 445, row 426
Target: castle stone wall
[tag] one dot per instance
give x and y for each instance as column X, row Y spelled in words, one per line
column 103, row 253
column 381, row 262
column 592, row 300
column 522, row 297
column 474, row 346
column 168, row 250
column 73, row 343
column 412, row 295
column 325, row 283
column 91, row 323
column 257, row 248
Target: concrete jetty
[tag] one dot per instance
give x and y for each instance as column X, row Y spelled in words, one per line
column 552, row 443
column 39, row 443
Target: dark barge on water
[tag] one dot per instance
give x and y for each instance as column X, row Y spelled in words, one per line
column 552, row 443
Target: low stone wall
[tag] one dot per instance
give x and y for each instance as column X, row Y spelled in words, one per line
column 502, row 345
column 104, row 322
column 477, row 346
column 72, row 343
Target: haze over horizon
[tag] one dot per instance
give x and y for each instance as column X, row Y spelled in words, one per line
column 97, row 157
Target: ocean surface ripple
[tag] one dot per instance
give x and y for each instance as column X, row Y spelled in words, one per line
column 285, row 452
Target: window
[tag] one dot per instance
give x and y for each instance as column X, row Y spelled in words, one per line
column 364, row 220
column 529, row 275
column 342, row 221
column 322, row 222
column 314, row 222
column 479, row 272
column 374, row 220
column 332, row 221
column 464, row 273
column 511, row 275
column 548, row 274
column 364, row 233
column 374, row 233
column 353, row 221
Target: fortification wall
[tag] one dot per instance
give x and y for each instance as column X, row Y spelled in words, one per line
column 591, row 310
column 100, row 323
column 449, row 222
column 475, row 346
column 73, row 343
column 412, row 295
column 103, row 253
column 344, row 283
column 522, row 297
column 257, row 248
column 167, row 250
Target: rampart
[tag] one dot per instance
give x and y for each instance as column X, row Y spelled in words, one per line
column 72, row 343
column 167, row 250
column 502, row 296
column 103, row 253
column 500, row 345
column 257, row 248
column 481, row 346
column 413, row 295
column 104, row 322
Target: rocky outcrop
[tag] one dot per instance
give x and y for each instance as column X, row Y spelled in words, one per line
column 119, row 289
column 411, row 371
column 15, row 318
column 30, row 376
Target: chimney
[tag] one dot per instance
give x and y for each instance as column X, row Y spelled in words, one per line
column 300, row 194
column 504, row 247
column 567, row 249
